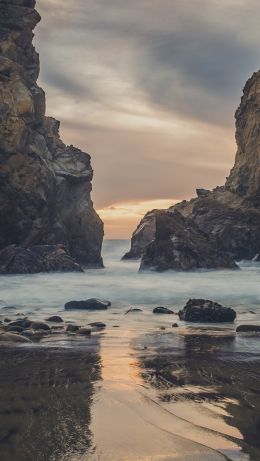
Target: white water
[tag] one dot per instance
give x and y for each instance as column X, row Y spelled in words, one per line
column 121, row 283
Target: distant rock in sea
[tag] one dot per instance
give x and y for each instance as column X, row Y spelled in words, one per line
column 45, row 185
column 219, row 227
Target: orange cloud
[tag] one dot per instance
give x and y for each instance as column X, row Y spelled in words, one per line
column 121, row 218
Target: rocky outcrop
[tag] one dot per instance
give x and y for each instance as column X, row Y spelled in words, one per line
column 204, row 310
column 220, row 226
column 45, row 185
column 37, row 258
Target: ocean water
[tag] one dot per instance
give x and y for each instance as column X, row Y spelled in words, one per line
column 122, row 284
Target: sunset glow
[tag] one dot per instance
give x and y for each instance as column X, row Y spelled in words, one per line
column 121, row 218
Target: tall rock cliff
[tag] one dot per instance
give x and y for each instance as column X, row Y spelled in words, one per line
column 218, row 227
column 45, row 185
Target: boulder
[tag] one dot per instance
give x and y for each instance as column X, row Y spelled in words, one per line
column 162, row 310
column 180, row 245
column 84, row 331
column 91, row 304
column 204, row 310
column 175, row 325
column 40, row 326
column 72, row 328
column 24, row 323
column 55, row 319
column 248, row 329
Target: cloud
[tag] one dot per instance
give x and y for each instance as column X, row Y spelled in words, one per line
column 189, row 58
column 149, row 88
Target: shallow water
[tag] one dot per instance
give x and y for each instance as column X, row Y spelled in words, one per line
column 150, row 392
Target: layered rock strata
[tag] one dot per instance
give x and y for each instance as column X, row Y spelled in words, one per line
column 220, row 226
column 45, row 185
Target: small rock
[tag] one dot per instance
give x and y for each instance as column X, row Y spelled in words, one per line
column 99, row 325
column 72, row 328
column 115, row 326
column 17, row 329
column 134, row 309
column 89, row 304
column 21, row 323
column 28, row 333
column 6, row 320
column 175, row 325
column 84, row 331
column 248, row 329
column 162, row 310
column 39, row 326
column 54, row 318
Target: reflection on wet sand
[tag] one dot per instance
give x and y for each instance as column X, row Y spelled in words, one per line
column 138, row 395
column 208, row 383
column 46, row 395
column 128, row 421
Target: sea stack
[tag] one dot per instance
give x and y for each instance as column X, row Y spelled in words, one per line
column 218, row 227
column 45, row 185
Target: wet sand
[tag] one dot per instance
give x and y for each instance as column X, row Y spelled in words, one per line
column 136, row 392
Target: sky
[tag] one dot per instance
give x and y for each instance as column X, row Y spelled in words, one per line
column 149, row 88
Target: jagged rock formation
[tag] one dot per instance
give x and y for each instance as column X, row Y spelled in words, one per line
column 218, row 227
column 44, row 185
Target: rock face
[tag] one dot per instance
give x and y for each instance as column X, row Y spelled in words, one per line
column 45, row 185
column 203, row 310
column 37, row 258
column 220, row 226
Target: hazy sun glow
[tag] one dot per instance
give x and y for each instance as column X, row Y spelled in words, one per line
column 120, row 217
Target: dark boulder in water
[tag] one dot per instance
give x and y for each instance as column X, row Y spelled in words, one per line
column 248, row 329
column 162, row 310
column 72, row 328
column 54, row 318
column 40, row 326
column 91, row 304
column 24, row 323
column 204, row 310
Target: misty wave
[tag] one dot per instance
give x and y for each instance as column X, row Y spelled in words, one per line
column 121, row 283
